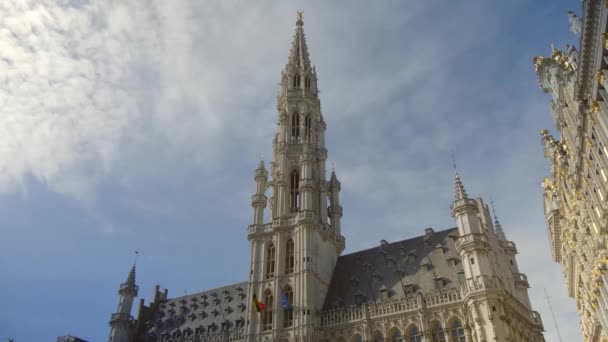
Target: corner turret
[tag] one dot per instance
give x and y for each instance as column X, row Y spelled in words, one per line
column 121, row 322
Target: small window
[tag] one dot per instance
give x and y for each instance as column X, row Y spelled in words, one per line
column 472, row 261
column 307, row 83
column 307, row 127
column 437, row 334
column 294, row 191
column 267, row 313
column 288, row 307
column 290, row 262
column 295, row 127
column 270, row 261
column 457, row 331
column 296, row 81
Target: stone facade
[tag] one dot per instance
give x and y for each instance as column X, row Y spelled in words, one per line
column 574, row 194
column 459, row 284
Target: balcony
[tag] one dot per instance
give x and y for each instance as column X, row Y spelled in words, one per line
column 116, row 317
column 521, row 280
column 537, row 320
column 509, row 246
column 472, row 241
column 126, row 287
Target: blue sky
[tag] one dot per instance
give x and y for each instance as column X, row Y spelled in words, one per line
column 136, row 125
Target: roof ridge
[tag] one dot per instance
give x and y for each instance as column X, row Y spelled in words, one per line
column 399, row 241
column 209, row 290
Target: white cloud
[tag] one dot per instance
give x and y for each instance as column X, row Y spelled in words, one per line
column 137, row 93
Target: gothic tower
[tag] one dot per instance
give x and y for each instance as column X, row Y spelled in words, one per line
column 494, row 290
column 121, row 321
column 293, row 256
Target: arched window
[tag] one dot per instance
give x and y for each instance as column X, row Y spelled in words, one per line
column 457, row 332
column 288, row 311
column 307, row 83
column 413, row 334
column 437, row 334
column 270, row 262
column 357, row 338
column 296, row 81
column 307, row 127
column 267, row 313
column 290, row 262
column 295, row 127
column 378, row 337
column 294, row 187
column 395, row 335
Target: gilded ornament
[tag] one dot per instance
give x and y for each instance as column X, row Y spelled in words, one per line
column 600, row 77
column 538, row 61
column 595, row 106
column 605, row 40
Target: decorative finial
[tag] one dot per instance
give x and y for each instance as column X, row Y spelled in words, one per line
column 333, row 167
column 300, row 21
column 136, row 257
column 262, row 156
column 497, row 226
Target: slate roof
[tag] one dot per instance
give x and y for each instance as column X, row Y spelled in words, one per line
column 210, row 311
column 374, row 273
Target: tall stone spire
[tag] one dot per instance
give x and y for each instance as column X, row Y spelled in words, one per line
column 298, row 56
column 300, row 245
column 121, row 321
column 131, row 276
column 497, row 227
column 460, row 191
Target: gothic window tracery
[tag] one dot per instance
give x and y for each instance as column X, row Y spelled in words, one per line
column 288, row 312
column 413, row 334
column 307, row 127
column 270, row 260
column 457, row 331
column 296, row 80
column 294, row 190
column 295, row 127
column 357, row 338
column 395, row 335
column 267, row 313
column 437, row 334
column 307, row 83
column 378, row 337
column 290, row 262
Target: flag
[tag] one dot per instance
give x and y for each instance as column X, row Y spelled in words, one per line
column 258, row 305
column 284, row 300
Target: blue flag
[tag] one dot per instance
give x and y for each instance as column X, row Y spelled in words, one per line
column 284, row 300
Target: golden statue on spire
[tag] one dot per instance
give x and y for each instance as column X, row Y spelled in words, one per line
column 300, row 21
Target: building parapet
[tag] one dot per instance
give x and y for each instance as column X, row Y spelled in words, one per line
column 356, row 313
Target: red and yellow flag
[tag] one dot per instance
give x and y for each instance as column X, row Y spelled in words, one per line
column 259, row 306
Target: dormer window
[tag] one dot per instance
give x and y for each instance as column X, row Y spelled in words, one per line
column 360, row 298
